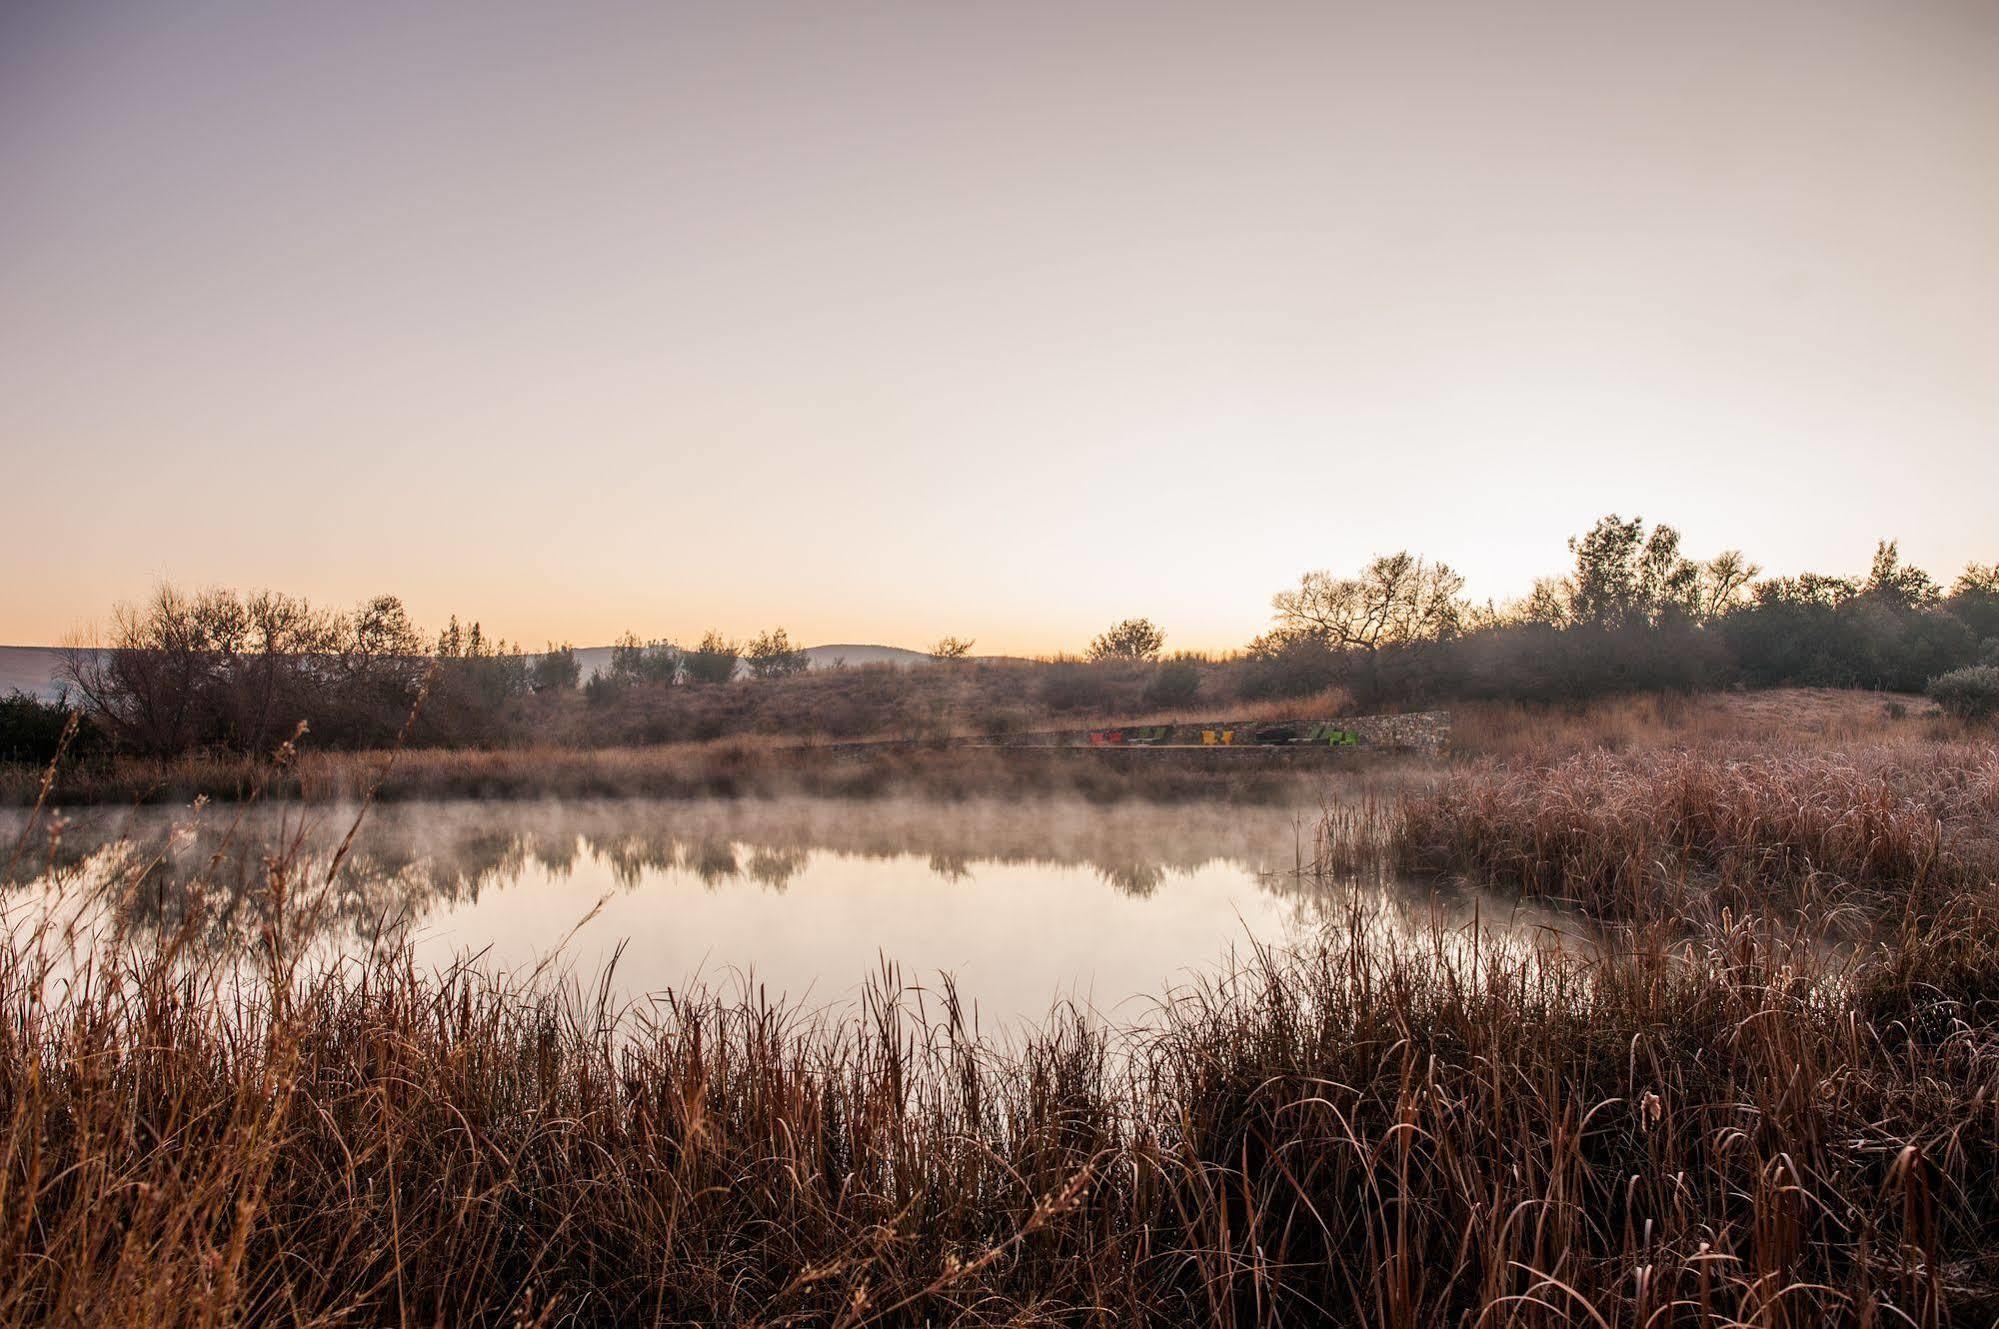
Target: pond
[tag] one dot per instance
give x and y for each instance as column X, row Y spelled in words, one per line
column 1023, row 904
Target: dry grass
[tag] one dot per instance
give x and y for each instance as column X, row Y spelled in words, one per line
column 1775, row 719
column 1709, row 1117
column 727, row 769
column 1629, row 836
column 1745, row 723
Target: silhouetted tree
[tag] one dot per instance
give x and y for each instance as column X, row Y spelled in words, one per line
column 1898, row 584
column 634, row 661
column 773, row 656
column 1133, row 639
column 555, row 670
column 1974, row 599
column 713, row 661
column 1398, row 598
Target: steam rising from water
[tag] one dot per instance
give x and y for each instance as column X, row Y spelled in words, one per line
column 1024, row 904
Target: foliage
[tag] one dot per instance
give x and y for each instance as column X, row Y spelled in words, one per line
column 1397, row 599
column 1634, row 612
column 1972, row 693
column 634, row 661
column 1899, row 584
column 221, row 669
column 1133, row 639
column 1624, row 576
column 773, row 656
column 1072, row 685
column 1174, row 683
column 1290, row 665
column 476, row 680
column 555, row 669
column 31, row 729
column 1974, row 599
column 951, row 648
column 713, row 661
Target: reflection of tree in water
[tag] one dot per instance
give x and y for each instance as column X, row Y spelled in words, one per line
column 410, row 861
column 631, row 857
column 1138, row 880
column 773, row 868
column 714, row 861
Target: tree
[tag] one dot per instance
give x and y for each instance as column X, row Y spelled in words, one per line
column 1625, row 577
column 951, row 648
column 1546, row 605
column 1977, row 579
column 1974, row 598
column 1723, row 585
column 773, row 656
column 379, row 672
column 555, row 670
column 1397, row 599
column 636, row 661
column 713, row 661
column 477, row 676
column 1895, row 583
column 1133, row 639
column 185, row 671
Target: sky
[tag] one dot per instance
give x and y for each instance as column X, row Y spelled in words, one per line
column 1006, row 320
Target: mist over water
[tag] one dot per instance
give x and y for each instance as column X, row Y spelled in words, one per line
column 1023, row 904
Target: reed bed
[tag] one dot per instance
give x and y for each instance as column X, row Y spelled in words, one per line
column 1715, row 1118
column 1631, row 836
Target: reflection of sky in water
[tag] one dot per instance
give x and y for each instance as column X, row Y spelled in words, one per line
column 1014, row 935
column 1023, row 904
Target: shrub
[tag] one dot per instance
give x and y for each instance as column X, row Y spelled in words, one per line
column 1070, row 686
column 1289, row 666
column 1174, row 683
column 713, row 661
column 1972, row 693
column 31, row 729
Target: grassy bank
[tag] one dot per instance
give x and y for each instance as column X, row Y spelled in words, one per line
column 720, row 770
column 1789, row 719
column 1707, row 1114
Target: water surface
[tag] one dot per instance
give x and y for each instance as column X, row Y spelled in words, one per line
column 1025, row 904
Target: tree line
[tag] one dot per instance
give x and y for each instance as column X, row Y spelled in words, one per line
column 220, row 670
column 1634, row 611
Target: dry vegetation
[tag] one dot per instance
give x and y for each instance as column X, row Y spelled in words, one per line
column 773, row 765
column 727, row 769
column 1760, row 1089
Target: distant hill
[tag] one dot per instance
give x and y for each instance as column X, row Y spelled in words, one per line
column 36, row 669
column 30, row 669
column 825, row 657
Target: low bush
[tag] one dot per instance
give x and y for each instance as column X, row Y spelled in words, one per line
column 1972, row 693
column 1173, row 684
